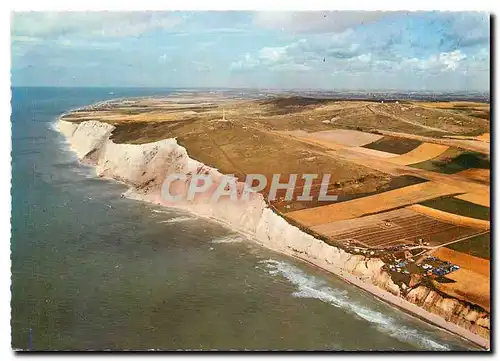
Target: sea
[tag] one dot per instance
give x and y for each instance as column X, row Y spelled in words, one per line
column 92, row 270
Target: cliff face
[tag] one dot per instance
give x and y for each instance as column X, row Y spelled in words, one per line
column 470, row 317
column 144, row 167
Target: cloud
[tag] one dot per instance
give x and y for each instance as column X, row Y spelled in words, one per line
column 418, row 50
column 271, row 58
column 90, row 24
column 316, row 21
column 304, row 54
column 451, row 60
column 339, row 56
column 273, row 55
column 434, row 64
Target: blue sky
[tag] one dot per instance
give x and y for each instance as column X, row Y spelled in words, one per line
column 441, row 51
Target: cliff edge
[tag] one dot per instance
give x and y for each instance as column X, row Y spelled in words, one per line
column 144, row 167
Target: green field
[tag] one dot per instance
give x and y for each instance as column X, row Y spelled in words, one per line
column 455, row 160
column 394, row 145
column 478, row 246
column 458, row 206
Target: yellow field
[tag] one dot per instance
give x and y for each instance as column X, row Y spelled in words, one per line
column 423, row 152
column 468, row 286
column 472, row 280
column 475, row 264
column 484, row 137
column 482, row 175
column 450, row 217
column 351, row 138
column 483, row 199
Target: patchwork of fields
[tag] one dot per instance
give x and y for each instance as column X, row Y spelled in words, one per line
column 410, row 176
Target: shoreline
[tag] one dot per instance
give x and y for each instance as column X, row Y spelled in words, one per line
column 384, row 296
column 372, row 289
column 408, row 307
column 377, row 292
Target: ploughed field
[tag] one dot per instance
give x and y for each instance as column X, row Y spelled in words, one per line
column 397, row 227
column 408, row 175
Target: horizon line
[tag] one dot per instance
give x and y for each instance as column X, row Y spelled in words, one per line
column 251, row 88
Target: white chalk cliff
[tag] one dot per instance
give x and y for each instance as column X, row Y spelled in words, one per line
column 144, row 168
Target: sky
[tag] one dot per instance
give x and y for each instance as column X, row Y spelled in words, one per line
column 417, row 51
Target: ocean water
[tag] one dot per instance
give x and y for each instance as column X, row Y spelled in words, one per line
column 94, row 271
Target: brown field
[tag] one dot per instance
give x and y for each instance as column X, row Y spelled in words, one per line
column 305, row 138
column 372, row 204
column 345, row 225
column 392, row 228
